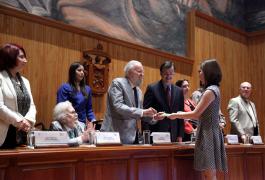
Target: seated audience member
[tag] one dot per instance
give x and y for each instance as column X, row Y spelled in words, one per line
column 189, row 125
column 78, row 93
column 65, row 119
column 17, row 109
column 242, row 113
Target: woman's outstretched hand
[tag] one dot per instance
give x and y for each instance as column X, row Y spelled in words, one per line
column 159, row 116
column 172, row 116
column 162, row 115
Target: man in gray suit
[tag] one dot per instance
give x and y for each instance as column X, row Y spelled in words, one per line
column 124, row 104
column 243, row 114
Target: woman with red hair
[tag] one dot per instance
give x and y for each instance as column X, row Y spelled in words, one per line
column 17, row 109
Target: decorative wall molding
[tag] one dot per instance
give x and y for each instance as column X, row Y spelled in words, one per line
column 219, row 23
column 225, row 25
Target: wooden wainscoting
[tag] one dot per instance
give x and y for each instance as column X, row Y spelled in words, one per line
column 125, row 163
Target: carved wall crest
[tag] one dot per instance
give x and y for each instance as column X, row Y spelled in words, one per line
column 96, row 63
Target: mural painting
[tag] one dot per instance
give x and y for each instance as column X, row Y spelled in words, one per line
column 159, row 24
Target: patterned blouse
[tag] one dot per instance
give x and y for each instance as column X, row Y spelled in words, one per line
column 23, row 102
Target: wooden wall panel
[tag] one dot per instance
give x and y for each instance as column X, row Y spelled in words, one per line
column 254, row 171
column 2, row 174
column 236, row 164
column 126, row 163
column 66, row 172
column 158, row 168
column 240, row 55
column 183, row 165
column 111, row 169
column 231, row 49
column 51, row 49
column 256, row 64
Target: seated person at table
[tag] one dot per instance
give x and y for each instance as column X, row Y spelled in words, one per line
column 65, row 119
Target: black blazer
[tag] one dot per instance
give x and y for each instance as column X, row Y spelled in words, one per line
column 155, row 96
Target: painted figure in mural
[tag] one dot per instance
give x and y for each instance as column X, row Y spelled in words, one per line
column 255, row 15
column 153, row 23
column 37, row 7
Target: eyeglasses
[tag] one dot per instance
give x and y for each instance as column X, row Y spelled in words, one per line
column 168, row 74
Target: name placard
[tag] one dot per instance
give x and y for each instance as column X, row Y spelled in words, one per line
column 161, row 137
column 46, row 138
column 232, row 139
column 108, row 138
column 256, row 140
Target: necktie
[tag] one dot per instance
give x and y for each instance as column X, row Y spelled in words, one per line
column 138, row 122
column 135, row 96
column 168, row 92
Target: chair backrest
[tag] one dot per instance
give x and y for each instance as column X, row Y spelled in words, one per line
column 40, row 126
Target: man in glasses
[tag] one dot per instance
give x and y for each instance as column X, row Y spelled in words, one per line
column 166, row 97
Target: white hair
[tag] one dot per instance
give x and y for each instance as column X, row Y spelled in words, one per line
column 130, row 65
column 60, row 111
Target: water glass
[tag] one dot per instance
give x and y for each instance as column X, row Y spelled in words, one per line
column 140, row 137
column 247, row 139
column 146, row 136
column 31, row 139
column 92, row 138
column 193, row 137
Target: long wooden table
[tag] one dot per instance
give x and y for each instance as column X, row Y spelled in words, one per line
column 124, row 162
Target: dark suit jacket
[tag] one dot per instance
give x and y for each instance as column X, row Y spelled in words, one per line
column 155, row 96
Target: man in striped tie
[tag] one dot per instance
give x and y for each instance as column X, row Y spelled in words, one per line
column 166, row 97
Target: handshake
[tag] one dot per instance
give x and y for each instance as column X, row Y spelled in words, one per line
column 151, row 112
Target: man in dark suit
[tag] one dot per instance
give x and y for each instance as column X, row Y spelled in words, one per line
column 165, row 97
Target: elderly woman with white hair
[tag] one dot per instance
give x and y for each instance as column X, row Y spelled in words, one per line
column 66, row 119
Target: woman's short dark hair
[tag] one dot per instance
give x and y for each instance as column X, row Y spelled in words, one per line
column 8, row 55
column 212, row 72
column 72, row 78
column 180, row 82
column 166, row 65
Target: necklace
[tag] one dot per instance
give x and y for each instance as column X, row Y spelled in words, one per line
column 17, row 82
